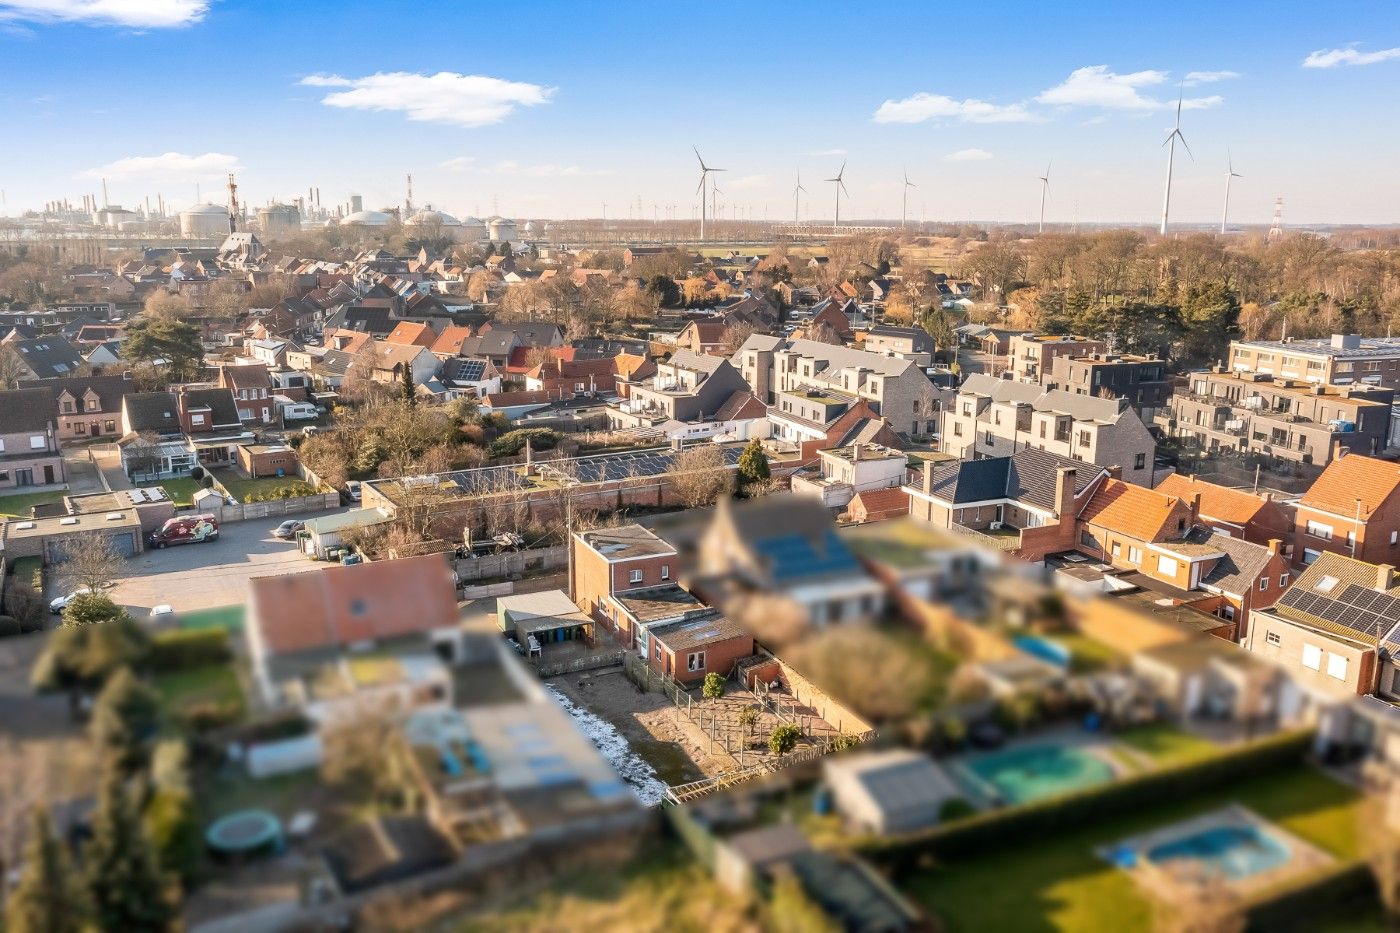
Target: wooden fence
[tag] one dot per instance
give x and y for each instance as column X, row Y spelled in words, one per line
column 586, row 663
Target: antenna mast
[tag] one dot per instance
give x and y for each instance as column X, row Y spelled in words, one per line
column 232, row 204
column 1276, row 228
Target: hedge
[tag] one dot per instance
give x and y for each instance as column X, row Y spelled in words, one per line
column 1301, row 902
column 187, row 649
column 997, row 829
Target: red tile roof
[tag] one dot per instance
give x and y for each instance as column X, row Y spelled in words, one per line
column 341, row 605
column 412, row 334
column 449, row 342
column 1219, row 502
column 1350, row 478
column 880, row 504
column 1131, row 510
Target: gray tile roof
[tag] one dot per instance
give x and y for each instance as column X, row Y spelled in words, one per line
column 1239, row 568
column 1027, row 476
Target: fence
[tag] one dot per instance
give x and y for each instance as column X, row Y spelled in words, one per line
column 511, row 563
column 272, row 508
column 586, row 663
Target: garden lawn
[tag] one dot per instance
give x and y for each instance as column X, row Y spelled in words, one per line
column 180, row 489
column 1167, row 745
column 1086, row 654
column 241, row 488
column 1037, row 885
column 18, row 506
column 228, row 618
column 212, row 683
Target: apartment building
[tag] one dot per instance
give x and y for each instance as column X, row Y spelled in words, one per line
column 1282, row 419
column 685, row 388
column 846, row 471
column 1030, row 357
column 992, row 417
column 897, row 389
column 909, row 343
column 1341, row 359
column 1143, row 380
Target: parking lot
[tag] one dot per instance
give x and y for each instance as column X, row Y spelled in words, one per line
column 202, row 576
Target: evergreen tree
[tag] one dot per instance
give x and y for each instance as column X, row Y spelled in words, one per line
column 124, row 719
column 753, row 465
column 49, row 897
column 407, row 386
column 129, row 892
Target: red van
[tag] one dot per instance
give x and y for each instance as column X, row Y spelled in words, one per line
column 186, row 529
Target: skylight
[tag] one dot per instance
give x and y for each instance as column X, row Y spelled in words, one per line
column 1327, row 584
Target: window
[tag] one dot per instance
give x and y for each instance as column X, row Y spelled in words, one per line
column 1263, row 584
column 1336, row 666
column 1083, row 438
column 37, row 442
column 991, row 438
column 1319, row 530
column 1134, row 554
column 92, row 405
column 635, row 576
column 658, row 651
column 1272, row 638
column 1283, row 581
column 1394, row 537
column 1042, row 431
column 1310, row 555
column 67, row 408
column 80, row 428
column 695, row 661
column 1166, row 566
column 957, row 429
column 665, row 571
column 1312, row 657
column 110, row 425
column 1139, row 461
column 1117, row 549
column 196, row 419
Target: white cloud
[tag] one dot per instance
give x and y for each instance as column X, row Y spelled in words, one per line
column 747, row 182
column 137, row 14
column 1208, row 77
column 445, row 97
column 1096, row 86
column 924, row 106
column 1331, row 58
column 968, row 155
column 509, row 167
column 173, row 165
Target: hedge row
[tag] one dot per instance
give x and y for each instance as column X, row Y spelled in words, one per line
column 1012, row 826
column 185, row 650
column 1305, row 901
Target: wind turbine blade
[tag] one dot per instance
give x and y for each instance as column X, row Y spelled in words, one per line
column 718, row 170
column 700, row 187
column 843, row 188
column 698, row 159
column 1180, row 94
column 1184, row 146
column 843, row 169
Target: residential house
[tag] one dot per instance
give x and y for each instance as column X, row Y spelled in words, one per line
column 685, row 388
column 833, row 314
column 1031, row 356
column 1143, row 380
column 449, row 341
column 704, row 337
column 846, row 471
column 469, row 376
column 1353, row 508
column 897, row 389
column 272, row 351
column 785, row 545
column 46, row 357
column 1285, row 421
column 390, row 361
column 345, row 639
column 996, row 417
column 85, row 406
column 168, row 433
column 1029, row 500
column 105, row 355
column 527, row 333
column 562, row 378
column 1255, row 518
column 252, row 391
column 412, row 333
column 907, row 343
column 30, row 454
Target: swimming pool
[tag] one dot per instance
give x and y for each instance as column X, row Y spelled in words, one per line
column 1232, row 851
column 1034, row 772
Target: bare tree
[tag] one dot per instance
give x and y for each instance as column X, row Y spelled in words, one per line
column 142, row 455
column 90, row 561
column 700, row 476
column 12, row 368
column 736, row 335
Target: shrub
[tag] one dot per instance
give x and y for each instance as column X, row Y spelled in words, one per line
column 208, row 481
column 713, row 687
column 197, row 472
column 173, row 828
column 276, row 728
column 10, row 626
column 182, row 651
column 513, row 442
column 783, row 739
column 955, row 809
column 210, row 716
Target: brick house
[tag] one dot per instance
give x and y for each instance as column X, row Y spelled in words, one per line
column 85, row 406
column 252, row 392
column 1255, row 518
column 607, row 561
column 29, row 448
column 257, row 460
column 704, row 337
column 1353, row 508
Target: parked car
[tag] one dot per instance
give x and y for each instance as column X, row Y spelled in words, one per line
column 163, row 616
column 288, row 529
column 61, row 603
column 187, row 529
column 353, row 488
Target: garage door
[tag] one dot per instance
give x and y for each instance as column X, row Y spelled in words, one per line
column 123, row 543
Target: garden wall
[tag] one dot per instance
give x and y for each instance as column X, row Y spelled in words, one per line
column 511, row 563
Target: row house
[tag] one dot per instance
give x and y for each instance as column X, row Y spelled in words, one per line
column 1284, row 420
column 85, row 406
column 844, row 472
column 1353, row 508
column 1257, row 518
column 992, row 417
column 1030, row 357
column 1341, row 359
column 896, row 389
column 168, row 433
column 252, row 392
column 30, row 454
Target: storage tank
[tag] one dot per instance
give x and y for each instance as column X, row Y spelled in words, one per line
column 474, row 230
column 502, row 230
column 113, row 217
column 204, row 220
column 367, row 219
column 279, row 218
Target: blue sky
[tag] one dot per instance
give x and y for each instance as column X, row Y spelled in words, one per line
column 552, row 109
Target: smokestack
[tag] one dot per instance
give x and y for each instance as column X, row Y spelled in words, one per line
column 105, row 202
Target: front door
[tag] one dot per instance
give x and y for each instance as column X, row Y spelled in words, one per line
column 95, row 429
column 48, row 474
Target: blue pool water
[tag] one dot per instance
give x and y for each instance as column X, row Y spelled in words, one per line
column 1233, row 851
column 1034, row 772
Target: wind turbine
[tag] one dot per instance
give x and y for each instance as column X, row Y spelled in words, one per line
column 904, row 204
column 1230, row 175
column 1044, row 190
column 1170, row 143
column 797, row 197
column 705, row 171
column 840, row 187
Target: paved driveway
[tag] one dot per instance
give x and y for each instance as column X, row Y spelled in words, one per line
column 202, row 576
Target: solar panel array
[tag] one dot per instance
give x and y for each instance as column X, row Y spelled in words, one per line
column 794, row 556
column 626, row 465
column 1356, row 607
column 466, row 370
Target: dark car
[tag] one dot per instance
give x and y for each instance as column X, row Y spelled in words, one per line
column 288, row 529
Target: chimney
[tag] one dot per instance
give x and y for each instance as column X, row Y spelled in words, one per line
column 529, row 457
column 1115, row 472
column 855, row 453
column 1385, row 576
column 928, row 476
column 1338, row 451
column 1064, row 491
column 1275, row 545
column 1195, row 507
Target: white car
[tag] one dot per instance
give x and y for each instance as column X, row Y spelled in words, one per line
column 353, row 488
column 164, row 614
column 61, row 603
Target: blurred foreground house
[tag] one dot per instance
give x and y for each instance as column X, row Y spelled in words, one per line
column 847, row 471
column 30, row 454
column 888, row 792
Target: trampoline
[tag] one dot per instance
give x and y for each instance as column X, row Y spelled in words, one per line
column 245, row 832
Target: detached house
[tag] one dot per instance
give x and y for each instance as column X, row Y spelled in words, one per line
column 29, row 449
column 704, row 337
column 1353, row 508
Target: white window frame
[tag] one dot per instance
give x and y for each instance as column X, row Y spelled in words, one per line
column 1336, row 666
column 1318, row 530
column 1164, row 562
column 1312, row 657
column 1272, row 638
column 665, row 571
column 695, row 661
column 1263, row 584
column 1134, row 554
column 634, row 576
column 38, row 442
